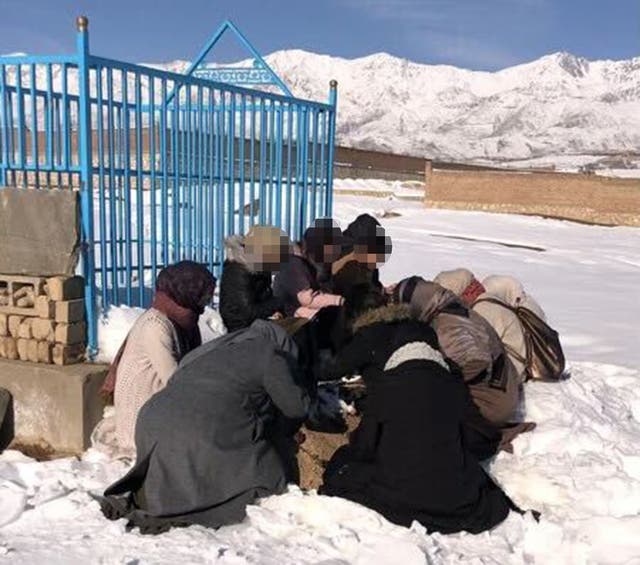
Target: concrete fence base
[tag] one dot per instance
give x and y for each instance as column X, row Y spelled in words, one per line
column 54, row 407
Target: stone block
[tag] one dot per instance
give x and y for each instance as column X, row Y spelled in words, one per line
column 8, row 348
column 32, row 350
column 68, row 354
column 23, row 349
column 42, row 329
column 70, row 311
column 45, row 307
column 65, row 288
column 39, row 231
column 24, row 331
column 19, row 293
column 4, row 294
column 58, row 406
column 4, row 325
column 45, row 350
column 14, row 325
column 71, row 334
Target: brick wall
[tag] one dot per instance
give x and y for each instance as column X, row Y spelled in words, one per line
column 575, row 196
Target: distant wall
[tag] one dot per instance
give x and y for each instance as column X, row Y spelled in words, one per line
column 581, row 197
column 366, row 164
column 361, row 163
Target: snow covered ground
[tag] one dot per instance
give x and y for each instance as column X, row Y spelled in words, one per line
column 580, row 467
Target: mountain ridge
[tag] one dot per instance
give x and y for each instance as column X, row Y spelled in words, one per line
column 557, row 106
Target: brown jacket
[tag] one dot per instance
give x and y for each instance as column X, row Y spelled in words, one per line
column 468, row 341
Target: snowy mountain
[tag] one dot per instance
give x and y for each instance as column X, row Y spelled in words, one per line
column 560, row 109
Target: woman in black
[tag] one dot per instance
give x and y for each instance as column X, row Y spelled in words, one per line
column 407, row 459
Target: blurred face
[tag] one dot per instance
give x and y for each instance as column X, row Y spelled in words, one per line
column 363, row 256
column 322, row 241
column 268, row 257
column 331, row 253
column 373, row 250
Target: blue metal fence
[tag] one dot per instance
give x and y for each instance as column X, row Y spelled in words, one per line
column 167, row 165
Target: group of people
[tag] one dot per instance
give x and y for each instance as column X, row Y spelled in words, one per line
column 215, row 426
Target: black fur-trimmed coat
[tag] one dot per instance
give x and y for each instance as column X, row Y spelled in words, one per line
column 408, row 459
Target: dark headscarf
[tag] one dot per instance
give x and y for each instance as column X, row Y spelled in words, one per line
column 188, row 284
column 367, row 232
column 182, row 292
column 363, row 225
column 404, row 290
column 323, row 232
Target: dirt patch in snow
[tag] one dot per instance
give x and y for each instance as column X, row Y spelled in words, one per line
column 316, row 451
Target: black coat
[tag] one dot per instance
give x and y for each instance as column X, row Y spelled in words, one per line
column 359, row 285
column 211, row 442
column 245, row 296
column 296, row 275
column 408, row 459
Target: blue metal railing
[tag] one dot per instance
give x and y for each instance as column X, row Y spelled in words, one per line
column 167, row 165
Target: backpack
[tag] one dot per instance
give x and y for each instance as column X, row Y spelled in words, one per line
column 544, row 356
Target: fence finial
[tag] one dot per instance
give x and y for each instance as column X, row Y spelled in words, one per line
column 333, row 83
column 82, row 23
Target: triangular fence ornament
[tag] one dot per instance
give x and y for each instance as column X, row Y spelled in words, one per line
column 259, row 74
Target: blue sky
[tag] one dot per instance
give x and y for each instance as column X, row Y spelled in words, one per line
column 477, row 34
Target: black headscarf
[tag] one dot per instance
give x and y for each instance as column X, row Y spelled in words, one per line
column 323, row 232
column 367, row 232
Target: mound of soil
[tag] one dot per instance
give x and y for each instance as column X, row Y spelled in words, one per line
column 317, row 449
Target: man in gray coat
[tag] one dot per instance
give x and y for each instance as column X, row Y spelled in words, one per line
column 212, row 441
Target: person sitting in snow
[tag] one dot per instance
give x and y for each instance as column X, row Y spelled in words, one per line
column 470, row 343
column 159, row 339
column 473, row 348
column 485, row 298
column 408, row 458
column 211, row 443
column 246, row 292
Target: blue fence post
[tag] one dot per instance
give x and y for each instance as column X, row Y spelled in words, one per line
column 333, row 102
column 4, row 128
column 86, row 182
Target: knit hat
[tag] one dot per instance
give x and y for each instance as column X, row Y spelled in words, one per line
column 266, row 247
